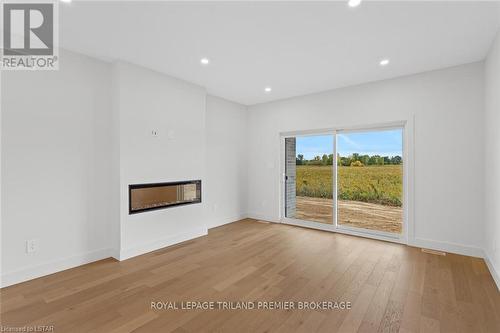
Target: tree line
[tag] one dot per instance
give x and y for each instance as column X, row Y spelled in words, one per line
column 351, row 160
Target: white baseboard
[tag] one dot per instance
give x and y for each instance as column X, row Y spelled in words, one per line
column 55, row 266
column 161, row 243
column 263, row 217
column 465, row 250
column 226, row 220
column 493, row 271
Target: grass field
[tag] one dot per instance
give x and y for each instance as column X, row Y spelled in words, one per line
column 374, row 184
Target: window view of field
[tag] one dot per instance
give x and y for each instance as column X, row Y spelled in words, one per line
column 369, row 182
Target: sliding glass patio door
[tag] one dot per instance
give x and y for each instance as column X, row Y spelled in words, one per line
column 345, row 180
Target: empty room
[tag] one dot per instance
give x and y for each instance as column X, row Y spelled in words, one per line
column 250, row 166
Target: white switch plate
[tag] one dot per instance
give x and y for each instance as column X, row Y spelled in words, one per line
column 154, row 133
column 31, row 246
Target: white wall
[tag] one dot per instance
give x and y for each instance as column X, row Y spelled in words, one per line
column 226, row 163
column 144, row 101
column 447, row 106
column 492, row 159
column 55, row 166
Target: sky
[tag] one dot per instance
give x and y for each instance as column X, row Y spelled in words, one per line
column 383, row 143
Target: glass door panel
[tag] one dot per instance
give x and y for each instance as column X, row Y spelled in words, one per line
column 309, row 178
column 370, row 180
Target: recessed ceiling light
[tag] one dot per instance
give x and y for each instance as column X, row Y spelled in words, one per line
column 384, row 62
column 354, row 3
column 205, row 61
column 268, row 89
column 67, row 1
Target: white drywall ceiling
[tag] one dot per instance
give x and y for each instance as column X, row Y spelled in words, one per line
column 295, row 47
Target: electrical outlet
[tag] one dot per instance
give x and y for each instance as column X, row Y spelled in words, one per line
column 31, row 246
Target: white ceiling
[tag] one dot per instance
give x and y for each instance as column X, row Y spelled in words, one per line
column 295, row 47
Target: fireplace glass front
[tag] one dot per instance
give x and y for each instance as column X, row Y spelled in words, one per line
column 144, row 197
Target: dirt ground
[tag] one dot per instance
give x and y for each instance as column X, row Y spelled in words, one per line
column 351, row 213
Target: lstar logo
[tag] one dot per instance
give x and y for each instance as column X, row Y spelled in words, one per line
column 29, row 35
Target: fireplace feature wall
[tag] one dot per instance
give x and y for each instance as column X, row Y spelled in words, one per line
column 144, row 197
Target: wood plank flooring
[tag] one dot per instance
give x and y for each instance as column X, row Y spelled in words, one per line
column 392, row 288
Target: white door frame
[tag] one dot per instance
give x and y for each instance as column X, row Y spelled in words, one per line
column 408, row 166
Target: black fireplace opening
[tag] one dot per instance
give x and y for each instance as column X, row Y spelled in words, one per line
column 146, row 197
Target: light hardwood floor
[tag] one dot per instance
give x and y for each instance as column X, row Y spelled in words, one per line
column 392, row 287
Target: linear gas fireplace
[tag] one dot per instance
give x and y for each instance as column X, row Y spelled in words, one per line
column 144, row 197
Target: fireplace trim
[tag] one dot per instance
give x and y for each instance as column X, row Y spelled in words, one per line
column 136, row 186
